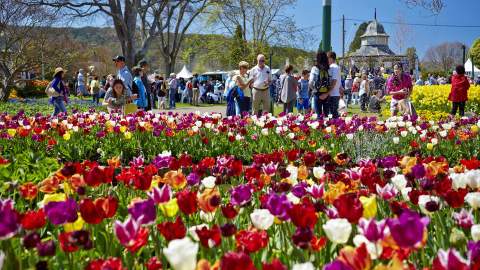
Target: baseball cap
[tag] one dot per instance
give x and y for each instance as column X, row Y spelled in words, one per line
column 119, row 58
column 142, row 63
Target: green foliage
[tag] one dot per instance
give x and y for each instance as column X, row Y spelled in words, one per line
column 475, row 52
column 238, row 48
column 356, row 42
column 31, row 91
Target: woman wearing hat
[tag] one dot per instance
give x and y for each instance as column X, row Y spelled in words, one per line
column 59, row 100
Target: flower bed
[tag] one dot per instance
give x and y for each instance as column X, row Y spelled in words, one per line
column 286, row 210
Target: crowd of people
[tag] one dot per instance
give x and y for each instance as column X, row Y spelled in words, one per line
column 322, row 89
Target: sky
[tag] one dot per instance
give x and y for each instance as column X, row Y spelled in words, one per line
column 308, row 15
column 456, row 12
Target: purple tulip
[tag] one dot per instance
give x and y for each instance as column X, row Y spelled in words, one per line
column 463, row 218
column 316, row 191
column 143, row 212
column 270, row 169
column 126, row 231
column 302, row 237
column 418, row 171
column 46, row 248
column 299, row 190
column 387, row 192
column 162, row 161
column 240, row 195
column 372, row 229
column 336, row 265
column 9, row 225
column 31, row 240
column 278, row 205
column 473, row 251
column 161, row 195
column 389, row 162
column 193, row 179
column 62, row 212
column 408, row 229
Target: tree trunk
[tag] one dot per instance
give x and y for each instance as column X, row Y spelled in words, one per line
column 169, row 65
column 5, row 92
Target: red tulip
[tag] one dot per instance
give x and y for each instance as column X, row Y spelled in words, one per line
column 65, row 242
column 251, row 241
column 236, row 261
column 210, row 237
column 33, row 220
column 349, row 207
column 276, row 264
column 28, row 191
column 93, row 212
column 172, row 230
column 154, row 264
column 229, row 211
column 187, row 201
column 303, row 215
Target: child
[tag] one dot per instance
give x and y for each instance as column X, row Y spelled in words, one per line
column 375, row 102
column 160, row 87
column 302, row 93
column 95, row 90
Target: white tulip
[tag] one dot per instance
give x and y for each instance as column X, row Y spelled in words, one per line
column 209, row 182
column 303, row 266
column 473, row 199
column 338, row 230
column 424, row 199
column 399, row 181
column 404, row 133
column 2, row 258
column 350, row 136
column 475, row 230
column 207, row 217
column 396, row 140
column 293, row 173
column 318, row 172
column 182, row 254
column 262, row 219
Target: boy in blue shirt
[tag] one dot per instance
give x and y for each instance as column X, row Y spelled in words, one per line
column 302, row 94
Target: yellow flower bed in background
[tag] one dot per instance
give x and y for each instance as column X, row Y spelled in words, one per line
column 431, row 102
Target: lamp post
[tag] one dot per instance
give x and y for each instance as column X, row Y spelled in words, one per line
column 327, row 25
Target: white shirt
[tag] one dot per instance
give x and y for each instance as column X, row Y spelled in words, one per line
column 334, row 73
column 261, row 77
column 363, row 87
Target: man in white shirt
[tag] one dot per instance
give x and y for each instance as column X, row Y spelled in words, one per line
column 336, row 82
column 262, row 76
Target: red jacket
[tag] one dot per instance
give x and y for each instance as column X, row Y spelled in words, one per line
column 460, row 86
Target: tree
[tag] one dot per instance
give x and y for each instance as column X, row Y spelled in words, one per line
column 403, row 33
column 22, row 41
column 262, row 22
column 412, row 57
column 145, row 20
column 444, row 56
column 356, row 42
column 433, row 5
column 238, row 48
column 475, row 52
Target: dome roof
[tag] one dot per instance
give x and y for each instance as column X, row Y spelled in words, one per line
column 374, row 28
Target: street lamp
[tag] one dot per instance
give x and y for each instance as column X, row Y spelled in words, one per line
column 327, row 25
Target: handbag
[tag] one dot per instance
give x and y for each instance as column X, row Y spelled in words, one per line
column 50, row 91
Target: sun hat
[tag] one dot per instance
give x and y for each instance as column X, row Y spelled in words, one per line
column 172, row 74
column 58, row 70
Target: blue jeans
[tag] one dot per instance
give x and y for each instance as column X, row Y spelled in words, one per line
column 95, row 98
column 333, row 106
column 171, row 97
column 320, row 106
column 58, row 105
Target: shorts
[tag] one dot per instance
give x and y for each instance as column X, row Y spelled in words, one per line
column 303, row 103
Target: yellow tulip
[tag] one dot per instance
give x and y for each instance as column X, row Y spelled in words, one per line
column 369, row 206
column 11, row 132
column 128, row 135
column 123, row 129
column 74, row 226
column 55, row 197
column 66, row 136
column 430, row 146
column 170, row 208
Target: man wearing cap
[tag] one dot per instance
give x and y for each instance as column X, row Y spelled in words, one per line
column 123, row 73
column 262, row 76
column 143, row 64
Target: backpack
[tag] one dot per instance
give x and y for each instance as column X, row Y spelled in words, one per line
column 321, row 82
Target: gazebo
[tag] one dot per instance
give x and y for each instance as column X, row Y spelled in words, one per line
column 374, row 51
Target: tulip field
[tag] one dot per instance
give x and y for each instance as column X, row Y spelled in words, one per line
column 92, row 190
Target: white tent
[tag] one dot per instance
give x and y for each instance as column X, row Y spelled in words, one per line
column 185, row 73
column 468, row 69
